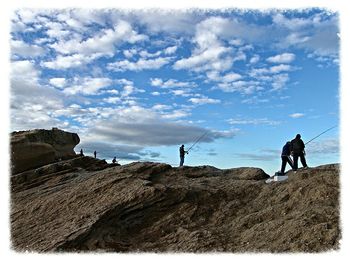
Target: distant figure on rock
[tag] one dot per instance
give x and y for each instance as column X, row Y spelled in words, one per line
column 81, row 152
column 298, row 150
column 114, row 160
column 182, row 155
column 285, row 156
column 95, row 153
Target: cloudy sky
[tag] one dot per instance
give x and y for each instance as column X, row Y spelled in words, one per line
column 138, row 84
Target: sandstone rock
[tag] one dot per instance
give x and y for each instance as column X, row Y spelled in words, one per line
column 31, row 149
column 152, row 207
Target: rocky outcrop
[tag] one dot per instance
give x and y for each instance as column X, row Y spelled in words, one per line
column 84, row 204
column 31, row 149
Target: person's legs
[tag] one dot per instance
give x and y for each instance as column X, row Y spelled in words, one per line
column 295, row 162
column 182, row 159
column 302, row 159
column 284, row 162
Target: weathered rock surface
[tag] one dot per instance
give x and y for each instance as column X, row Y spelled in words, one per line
column 34, row 148
column 84, row 204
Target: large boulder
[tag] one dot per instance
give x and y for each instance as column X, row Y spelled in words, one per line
column 35, row 148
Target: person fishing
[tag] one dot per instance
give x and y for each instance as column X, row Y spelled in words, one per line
column 182, row 154
column 285, row 156
column 298, row 150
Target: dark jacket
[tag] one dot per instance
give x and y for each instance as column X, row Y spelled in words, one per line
column 297, row 146
column 286, row 150
column 182, row 151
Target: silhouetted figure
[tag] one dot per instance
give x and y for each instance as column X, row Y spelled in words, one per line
column 298, row 150
column 114, row 160
column 95, row 153
column 182, row 155
column 285, row 156
column 81, row 152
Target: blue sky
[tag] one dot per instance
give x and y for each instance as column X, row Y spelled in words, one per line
column 138, row 84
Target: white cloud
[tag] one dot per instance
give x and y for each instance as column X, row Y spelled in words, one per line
column 228, row 77
column 242, row 86
column 73, row 61
column 87, row 86
column 58, row 82
column 146, row 54
column 281, row 58
column 296, row 115
column 129, row 53
column 204, row 100
column 291, row 23
column 20, row 48
column 129, row 89
column 210, row 53
column 161, row 107
column 141, row 64
column 103, row 42
column 254, row 59
column 170, row 83
column 280, row 68
column 112, row 100
column 253, row 121
column 32, row 105
column 170, row 50
column 214, row 58
column 168, row 21
column 182, row 92
column 279, row 81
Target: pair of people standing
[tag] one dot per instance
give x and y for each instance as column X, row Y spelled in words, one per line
column 296, row 148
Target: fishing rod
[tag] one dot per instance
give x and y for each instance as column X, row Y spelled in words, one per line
column 202, row 136
column 321, row 134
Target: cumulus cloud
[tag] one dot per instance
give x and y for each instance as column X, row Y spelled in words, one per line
column 280, row 68
column 130, row 89
column 26, row 112
column 210, row 52
column 22, row 49
column 296, row 115
column 204, row 100
column 241, row 86
column 87, row 86
column 70, row 61
column 281, row 58
column 103, row 42
column 254, row 59
column 141, row 64
column 253, row 121
column 58, row 82
column 170, row 83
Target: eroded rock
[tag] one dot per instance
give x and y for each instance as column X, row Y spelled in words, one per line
column 152, row 207
column 35, row 148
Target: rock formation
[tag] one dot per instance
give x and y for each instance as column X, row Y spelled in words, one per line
column 84, row 204
column 31, row 149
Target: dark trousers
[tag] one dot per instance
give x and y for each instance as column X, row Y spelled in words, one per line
column 295, row 160
column 182, row 159
column 285, row 160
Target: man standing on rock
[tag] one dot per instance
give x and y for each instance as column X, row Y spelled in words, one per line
column 285, row 157
column 182, row 155
column 298, row 150
column 95, row 153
